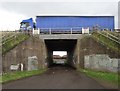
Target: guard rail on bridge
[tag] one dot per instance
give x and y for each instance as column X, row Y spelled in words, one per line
column 73, row 30
column 110, row 36
column 8, row 36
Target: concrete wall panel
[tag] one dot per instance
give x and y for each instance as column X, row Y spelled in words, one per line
column 101, row 62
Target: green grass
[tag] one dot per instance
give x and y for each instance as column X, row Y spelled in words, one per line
column 18, row 75
column 117, row 34
column 109, row 43
column 104, row 76
column 12, row 43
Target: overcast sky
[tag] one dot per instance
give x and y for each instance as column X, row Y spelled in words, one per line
column 12, row 12
column 61, row 53
column 119, row 15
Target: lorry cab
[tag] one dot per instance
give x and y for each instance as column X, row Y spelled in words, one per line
column 27, row 25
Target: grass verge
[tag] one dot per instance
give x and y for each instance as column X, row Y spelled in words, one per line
column 105, row 76
column 109, row 43
column 11, row 43
column 19, row 74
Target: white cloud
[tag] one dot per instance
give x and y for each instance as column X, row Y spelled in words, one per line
column 13, row 12
column 10, row 20
column 59, row 0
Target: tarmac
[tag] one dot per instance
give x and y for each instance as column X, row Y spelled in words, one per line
column 57, row 77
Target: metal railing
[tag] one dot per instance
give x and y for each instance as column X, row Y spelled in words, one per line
column 109, row 36
column 60, row 30
column 9, row 37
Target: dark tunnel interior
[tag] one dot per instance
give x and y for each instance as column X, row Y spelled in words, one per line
column 61, row 45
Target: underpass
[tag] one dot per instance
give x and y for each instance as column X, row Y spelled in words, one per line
column 61, row 45
column 58, row 76
column 62, row 42
column 63, row 75
column 62, row 32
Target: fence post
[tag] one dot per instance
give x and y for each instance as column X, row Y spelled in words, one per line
column 71, row 30
column 49, row 30
column 39, row 30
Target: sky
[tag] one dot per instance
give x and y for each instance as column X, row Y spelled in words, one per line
column 119, row 15
column 12, row 12
column 61, row 53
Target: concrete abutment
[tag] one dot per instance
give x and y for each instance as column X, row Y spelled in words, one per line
column 42, row 47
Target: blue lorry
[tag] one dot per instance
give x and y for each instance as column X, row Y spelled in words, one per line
column 27, row 25
column 64, row 24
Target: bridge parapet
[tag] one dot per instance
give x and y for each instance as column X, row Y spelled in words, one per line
column 61, row 36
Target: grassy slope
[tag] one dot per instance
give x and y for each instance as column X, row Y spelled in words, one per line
column 105, row 76
column 12, row 43
column 18, row 75
column 110, row 44
column 112, row 78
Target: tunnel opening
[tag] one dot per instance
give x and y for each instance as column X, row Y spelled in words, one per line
column 62, row 45
column 59, row 57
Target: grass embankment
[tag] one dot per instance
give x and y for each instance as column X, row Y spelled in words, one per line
column 103, row 76
column 19, row 74
column 106, row 41
column 11, row 43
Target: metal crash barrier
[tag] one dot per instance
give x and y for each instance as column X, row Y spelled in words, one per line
column 74, row 30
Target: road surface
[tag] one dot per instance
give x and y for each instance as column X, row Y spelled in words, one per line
column 56, row 78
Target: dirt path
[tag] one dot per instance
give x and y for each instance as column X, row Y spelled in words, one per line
column 56, row 78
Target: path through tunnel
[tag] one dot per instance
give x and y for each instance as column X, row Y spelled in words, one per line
column 68, row 45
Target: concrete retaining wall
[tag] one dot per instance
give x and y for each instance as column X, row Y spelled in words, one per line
column 31, row 47
column 89, row 46
column 76, row 55
column 101, row 62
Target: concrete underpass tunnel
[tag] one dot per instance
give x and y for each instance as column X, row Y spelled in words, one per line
column 60, row 57
column 61, row 45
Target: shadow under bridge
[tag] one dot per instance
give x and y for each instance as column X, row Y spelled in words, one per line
column 68, row 45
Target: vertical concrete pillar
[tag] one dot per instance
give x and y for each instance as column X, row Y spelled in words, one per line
column 78, row 51
column 72, row 58
column 49, row 57
column 44, row 54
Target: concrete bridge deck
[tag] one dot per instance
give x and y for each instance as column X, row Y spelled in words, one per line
column 60, row 36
